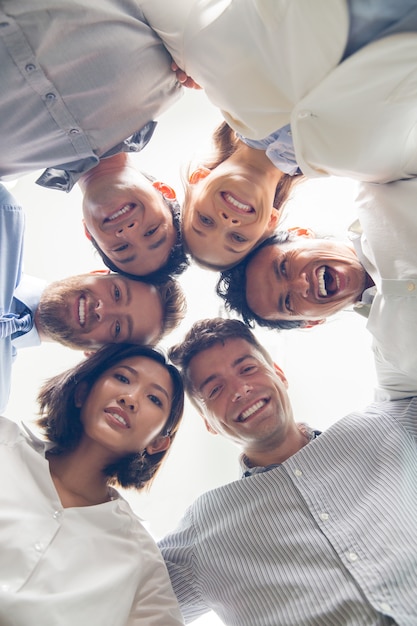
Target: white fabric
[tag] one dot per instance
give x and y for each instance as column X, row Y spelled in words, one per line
column 86, row 566
column 266, row 63
column 388, row 250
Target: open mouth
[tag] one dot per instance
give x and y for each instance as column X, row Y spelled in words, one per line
column 236, row 204
column 328, row 281
column 254, row 408
column 82, row 310
column 120, row 213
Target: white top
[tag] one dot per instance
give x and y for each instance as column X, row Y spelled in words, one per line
column 267, row 63
column 86, row 566
column 388, row 250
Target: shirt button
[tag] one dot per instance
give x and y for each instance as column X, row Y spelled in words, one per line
column 324, row 516
column 57, row 514
column 50, row 96
column 30, row 67
column 38, row 547
column 303, row 114
column 385, row 607
column 298, row 472
column 353, row 556
column 74, row 131
column 4, row 24
column 411, row 286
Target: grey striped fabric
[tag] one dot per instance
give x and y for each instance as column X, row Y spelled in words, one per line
column 328, row 538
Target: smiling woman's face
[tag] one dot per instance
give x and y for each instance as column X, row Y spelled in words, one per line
column 227, row 212
column 130, row 221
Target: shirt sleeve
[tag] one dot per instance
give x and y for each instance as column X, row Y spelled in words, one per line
column 178, row 550
column 12, row 224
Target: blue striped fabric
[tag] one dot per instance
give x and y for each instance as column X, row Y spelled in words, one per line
column 328, row 538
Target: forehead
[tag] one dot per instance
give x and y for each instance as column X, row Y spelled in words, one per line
column 221, row 357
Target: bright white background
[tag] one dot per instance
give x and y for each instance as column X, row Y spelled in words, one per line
column 329, row 368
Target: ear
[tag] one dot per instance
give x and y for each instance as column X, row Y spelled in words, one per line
column 81, row 393
column 86, row 231
column 159, row 444
column 273, row 222
column 208, row 427
column 199, row 174
column 280, row 374
column 302, row 232
column 103, row 272
column 88, row 353
column 311, row 323
column 166, row 190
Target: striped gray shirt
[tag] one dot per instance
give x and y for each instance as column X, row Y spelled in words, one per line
column 328, row 538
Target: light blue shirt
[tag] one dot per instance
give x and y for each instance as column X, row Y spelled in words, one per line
column 369, row 20
column 16, row 291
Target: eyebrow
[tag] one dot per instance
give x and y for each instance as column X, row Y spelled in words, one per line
column 155, row 385
column 212, row 377
column 228, row 248
column 128, row 300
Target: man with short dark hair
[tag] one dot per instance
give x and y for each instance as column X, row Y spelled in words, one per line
column 321, row 528
column 82, row 312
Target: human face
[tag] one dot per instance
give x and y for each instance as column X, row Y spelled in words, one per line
column 129, row 220
column 228, row 212
column 126, row 409
column 303, row 279
column 91, row 310
column 243, row 397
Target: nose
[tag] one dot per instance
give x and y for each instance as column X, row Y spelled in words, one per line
column 242, row 392
column 226, row 218
column 301, row 285
column 127, row 230
column 104, row 309
column 127, row 402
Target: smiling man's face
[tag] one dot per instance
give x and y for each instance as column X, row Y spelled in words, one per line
column 129, row 220
column 91, row 310
column 242, row 396
column 303, row 279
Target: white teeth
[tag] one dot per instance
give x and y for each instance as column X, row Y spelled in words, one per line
column 321, row 281
column 237, row 204
column 251, row 410
column 119, row 418
column 81, row 310
column 125, row 209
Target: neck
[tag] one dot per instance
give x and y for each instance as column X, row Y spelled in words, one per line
column 296, row 438
column 115, row 163
column 78, row 478
column 259, row 161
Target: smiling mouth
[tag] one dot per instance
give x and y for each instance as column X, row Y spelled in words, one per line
column 82, row 310
column 251, row 410
column 237, row 204
column 328, row 282
column 127, row 208
column 119, row 419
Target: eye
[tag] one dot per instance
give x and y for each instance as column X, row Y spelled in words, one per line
column 214, row 392
column 121, row 248
column 283, row 268
column 117, row 293
column 206, row 221
column 116, row 330
column 151, row 231
column 238, row 238
column 248, row 369
column 122, row 378
column 288, row 304
column 155, row 400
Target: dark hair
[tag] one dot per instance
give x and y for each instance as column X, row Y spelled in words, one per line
column 174, row 305
column 60, row 417
column 203, row 335
column 176, row 263
column 231, row 287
